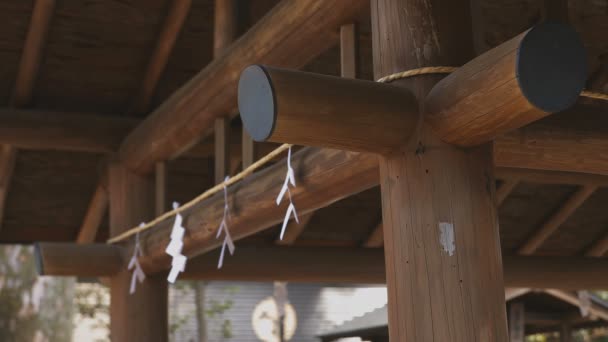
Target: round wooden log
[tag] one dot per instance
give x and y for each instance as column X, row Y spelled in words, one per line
column 539, row 72
column 70, row 259
column 316, row 110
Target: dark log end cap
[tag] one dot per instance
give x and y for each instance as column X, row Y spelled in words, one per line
column 257, row 104
column 38, row 259
column 551, row 66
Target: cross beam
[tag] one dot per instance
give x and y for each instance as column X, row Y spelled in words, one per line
column 313, row 264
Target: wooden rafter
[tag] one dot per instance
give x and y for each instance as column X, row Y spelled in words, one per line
column 158, row 61
column 555, row 221
column 594, row 310
column 31, row 57
column 375, row 238
column 340, row 264
column 98, row 207
column 286, row 28
column 505, row 189
column 599, row 247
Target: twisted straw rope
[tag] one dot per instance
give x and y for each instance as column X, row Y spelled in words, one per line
column 220, row 187
column 261, row 162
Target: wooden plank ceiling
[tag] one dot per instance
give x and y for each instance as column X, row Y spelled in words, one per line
column 123, row 59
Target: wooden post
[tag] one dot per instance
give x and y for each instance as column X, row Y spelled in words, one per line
column 517, row 322
column 565, row 333
column 141, row 316
column 442, row 247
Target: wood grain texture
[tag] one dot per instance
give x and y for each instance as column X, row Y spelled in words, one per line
column 554, row 222
column 500, row 90
column 69, row 259
column 211, row 93
column 131, row 202
column 33, row 48
column 252, row 202
column 158, row 60
column 309, row 109
column 436, row 293
column 98, row 207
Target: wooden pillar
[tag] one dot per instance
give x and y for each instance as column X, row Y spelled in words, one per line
column 565, row 332
column 442, row 249
column 141, row 316
column 517, row 322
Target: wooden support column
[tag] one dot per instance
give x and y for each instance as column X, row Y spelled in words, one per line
column 517, row 322
column 141, row 316
column 565, row 332
column 95, row 212
column 8, row 155
column 441, row 241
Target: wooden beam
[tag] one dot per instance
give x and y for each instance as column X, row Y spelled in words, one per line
column 505, row 189
column 595, row 310
column 8, row 157
column 599, row 248
column 573, row 141
column 566, row 273
column 510, row 86
column 290, row 26
column 160, row 56
column 555, row 221
column 312, row 167
column 131, row 202
column 565, row 332
column 556, row 10
column 31, row 56
column 63, row 131
column 98, row 207
column 548, row 176
column 249, row 149
column 514, row 292
column 317, row 264
column 294, row 229
column 438, row 201
column 376, row 238
column 517, row 320
column 295, row 107
column 222, row 149
column 281, row 105
column 69, row 259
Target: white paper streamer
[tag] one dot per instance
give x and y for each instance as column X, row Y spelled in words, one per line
column 289, row 179
column 174, row 249
column 138, row 273
column 224, row 228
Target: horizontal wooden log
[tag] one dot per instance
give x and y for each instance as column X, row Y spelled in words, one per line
column 314, row 264
column 84, row 132
column 317, row 110
column 252, row 201
column 539, row 72
column 504, row 89
column 293, row 264
column 573, row 141
column 70, row 259
column 290, row 35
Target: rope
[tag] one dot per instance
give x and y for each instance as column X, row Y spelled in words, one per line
column 261, row 162
column 448, row 70
column 218, row 188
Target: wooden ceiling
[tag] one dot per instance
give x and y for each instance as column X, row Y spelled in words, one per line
column 98, row 53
